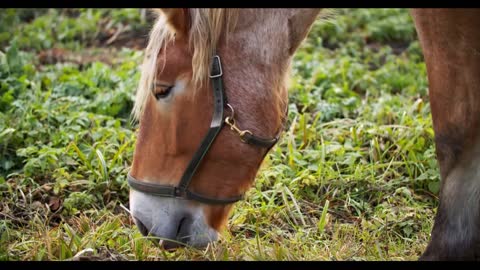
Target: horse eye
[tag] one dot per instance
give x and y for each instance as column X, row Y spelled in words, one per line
column 163, row 93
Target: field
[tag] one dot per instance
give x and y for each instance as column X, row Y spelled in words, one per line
column 354, row 177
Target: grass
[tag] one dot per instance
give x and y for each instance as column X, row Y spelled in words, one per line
column 354, row 177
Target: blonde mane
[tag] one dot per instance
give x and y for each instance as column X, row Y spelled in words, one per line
column 206, row 27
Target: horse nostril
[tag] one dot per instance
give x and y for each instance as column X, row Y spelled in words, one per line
column 142, row 228
column 180, row 225
column 180, row 241
column 171, row 245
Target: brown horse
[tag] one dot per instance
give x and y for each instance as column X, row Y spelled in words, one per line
column 187, row 170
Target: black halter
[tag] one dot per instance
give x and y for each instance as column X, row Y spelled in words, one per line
column 220, row 102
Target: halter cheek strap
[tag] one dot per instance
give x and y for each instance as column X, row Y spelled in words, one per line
column 220, row 102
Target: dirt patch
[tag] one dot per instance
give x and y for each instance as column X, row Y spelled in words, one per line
column 123, row 35
column 87, row 56
column 100, row 254
column 120, row 37
column 103, row 48
column 398, row 47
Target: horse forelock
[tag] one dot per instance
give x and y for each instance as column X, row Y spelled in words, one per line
column 206, row 28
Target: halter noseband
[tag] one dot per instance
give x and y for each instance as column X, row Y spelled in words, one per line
column 220, row 102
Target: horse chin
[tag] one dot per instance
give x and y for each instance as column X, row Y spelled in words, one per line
column 173, row 222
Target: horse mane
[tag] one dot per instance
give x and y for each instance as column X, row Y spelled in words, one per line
column 206, row 27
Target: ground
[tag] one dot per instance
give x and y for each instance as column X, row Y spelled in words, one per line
column 353, row 178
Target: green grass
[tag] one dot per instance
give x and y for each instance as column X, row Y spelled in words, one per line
column 354, row 177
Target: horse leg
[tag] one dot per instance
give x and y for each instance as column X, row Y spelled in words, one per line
column 450, row 40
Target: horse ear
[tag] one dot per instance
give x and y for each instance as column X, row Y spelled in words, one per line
column 176, row 19
column 299, row 26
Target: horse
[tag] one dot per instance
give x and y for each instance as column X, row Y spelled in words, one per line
column 211, row 103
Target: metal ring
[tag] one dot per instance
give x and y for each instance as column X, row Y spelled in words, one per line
column 231, row 109
column 230, row 121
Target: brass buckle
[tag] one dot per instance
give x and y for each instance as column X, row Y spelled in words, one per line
column 230, row 121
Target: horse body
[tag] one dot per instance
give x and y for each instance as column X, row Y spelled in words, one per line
column 175, row 106
column 451, row 46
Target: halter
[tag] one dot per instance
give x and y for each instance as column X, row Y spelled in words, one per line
column 218, row 121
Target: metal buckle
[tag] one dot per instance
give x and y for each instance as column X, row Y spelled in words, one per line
column 217, row 59
column 177, row 193
column 230, row 120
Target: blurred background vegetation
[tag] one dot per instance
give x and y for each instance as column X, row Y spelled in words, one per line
column 355, row 177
